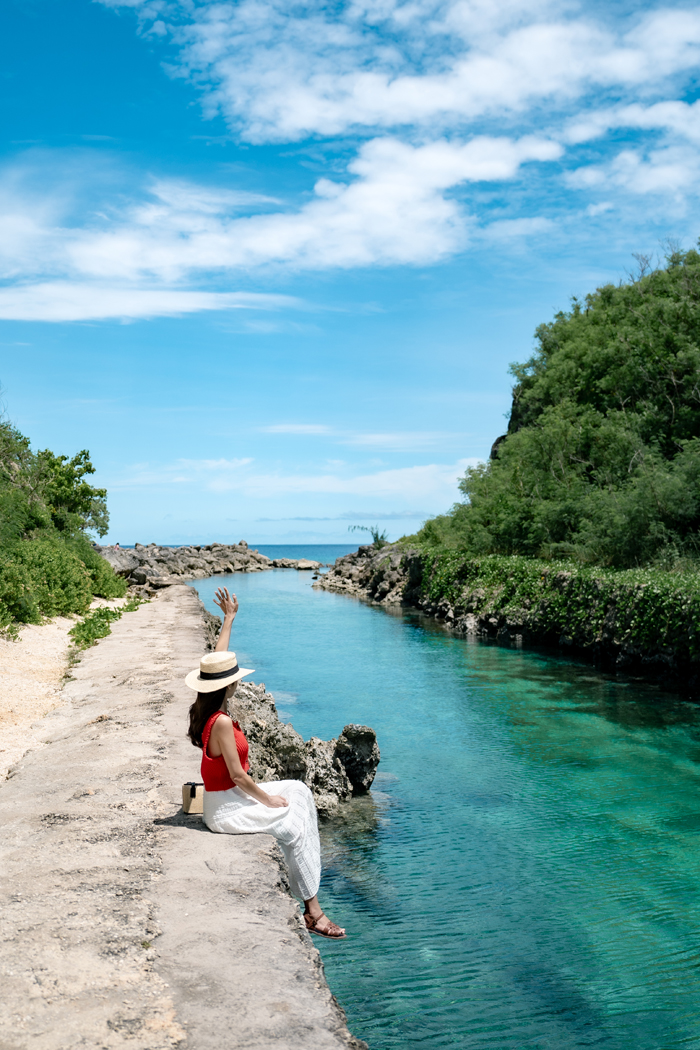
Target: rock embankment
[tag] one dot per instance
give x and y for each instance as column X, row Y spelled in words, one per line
column 154, row 567
column 389, row 575
column 334, row 770
column 603, row 618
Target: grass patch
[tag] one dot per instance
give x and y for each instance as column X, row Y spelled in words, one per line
column 98, row 624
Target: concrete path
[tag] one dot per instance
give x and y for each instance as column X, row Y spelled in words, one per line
column 125, row 923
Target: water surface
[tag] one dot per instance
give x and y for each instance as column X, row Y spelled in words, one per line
column 526, row 872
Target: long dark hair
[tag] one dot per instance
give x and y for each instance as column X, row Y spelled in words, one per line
column 201, row 711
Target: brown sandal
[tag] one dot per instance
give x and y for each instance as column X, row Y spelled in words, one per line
column 331, row 931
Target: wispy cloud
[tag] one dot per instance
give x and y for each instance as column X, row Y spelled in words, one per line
column 434, row 483
column 441, row 102
column 281, row 72
column 363, row 516
column 82, row 301
column 389, row 441
column 297, row 428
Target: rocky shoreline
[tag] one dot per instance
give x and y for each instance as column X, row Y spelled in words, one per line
column 607, row 636
column 335, row 770
column 153, row 567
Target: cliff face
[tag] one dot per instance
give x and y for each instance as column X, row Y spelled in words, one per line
column 637, row 622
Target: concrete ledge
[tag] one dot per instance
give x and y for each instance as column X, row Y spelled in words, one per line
column 125, row 923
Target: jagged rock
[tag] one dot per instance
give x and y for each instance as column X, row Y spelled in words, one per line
column 333, row 770
column 389, row 575
column 295, row 563
column 146, row 562
column 358, row 752
column 212, row 628
column 123, row 562
column 326, row 776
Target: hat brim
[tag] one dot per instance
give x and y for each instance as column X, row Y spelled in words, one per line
column 206, row 685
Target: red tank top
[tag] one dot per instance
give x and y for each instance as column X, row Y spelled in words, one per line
column 215, row 772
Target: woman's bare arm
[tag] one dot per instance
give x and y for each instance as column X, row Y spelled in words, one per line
column 229, row 607
column 224, row 741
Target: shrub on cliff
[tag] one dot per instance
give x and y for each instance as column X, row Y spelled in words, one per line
column 601, row 462
column 651, row 614
column 47, row 564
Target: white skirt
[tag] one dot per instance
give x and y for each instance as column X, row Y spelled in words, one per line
column 295, row 827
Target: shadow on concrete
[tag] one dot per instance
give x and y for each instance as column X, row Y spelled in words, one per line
column 179, row 819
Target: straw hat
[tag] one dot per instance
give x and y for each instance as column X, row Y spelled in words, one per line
column 216, row 670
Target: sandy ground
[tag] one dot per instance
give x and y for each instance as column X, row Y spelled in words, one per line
column 124, row 924
column 32, row 670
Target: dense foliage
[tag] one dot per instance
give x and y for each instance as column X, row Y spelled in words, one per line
column 601, row 463
column 651, row 610
column 47, row 563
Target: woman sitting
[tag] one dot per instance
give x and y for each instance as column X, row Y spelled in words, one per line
column 233, row 803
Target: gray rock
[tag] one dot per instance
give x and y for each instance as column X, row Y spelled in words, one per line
column 123, row 562
column 358, row 752
column 334, row 770
column 187, row 563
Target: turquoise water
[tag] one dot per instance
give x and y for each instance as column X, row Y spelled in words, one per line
column 525, row 874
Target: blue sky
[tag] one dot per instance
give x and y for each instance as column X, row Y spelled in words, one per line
column 270, row 261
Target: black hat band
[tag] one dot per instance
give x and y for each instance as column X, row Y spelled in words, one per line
column 209, row 676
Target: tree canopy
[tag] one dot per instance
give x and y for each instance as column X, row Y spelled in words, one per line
column 47, row 511
column 42, row 490
column 601, row 461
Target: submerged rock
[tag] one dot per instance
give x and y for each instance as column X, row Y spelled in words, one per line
column 334, row 770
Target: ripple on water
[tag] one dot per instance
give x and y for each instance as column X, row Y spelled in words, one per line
column 525, row 873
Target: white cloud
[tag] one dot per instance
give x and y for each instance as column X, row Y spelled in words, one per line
column 424, row 81
column 433, row 484
column 680, row 118
column 392, row 209
column 206, row 473
column 403, row 441
column 80, row 301
column 281, row 72
column 669, row 170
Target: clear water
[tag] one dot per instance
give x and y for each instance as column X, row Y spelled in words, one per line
column 526, row 872
column 323, row 552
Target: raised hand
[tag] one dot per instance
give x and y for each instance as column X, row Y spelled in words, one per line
column 228, row 603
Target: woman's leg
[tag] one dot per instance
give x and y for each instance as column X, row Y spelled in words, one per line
column 297, row 834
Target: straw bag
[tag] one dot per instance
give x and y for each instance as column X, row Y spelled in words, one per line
column 192, row 797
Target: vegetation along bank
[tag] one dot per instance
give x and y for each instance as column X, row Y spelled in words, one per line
column 640, row 621
column 48, row 566
column 582, row 529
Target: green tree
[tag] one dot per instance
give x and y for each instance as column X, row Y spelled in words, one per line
column 74, row 505
column 47, row 509
column 601, row 461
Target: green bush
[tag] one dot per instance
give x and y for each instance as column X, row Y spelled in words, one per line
column 48, row 566
column 105, row 582
column 650, row 609
column 60, row 582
